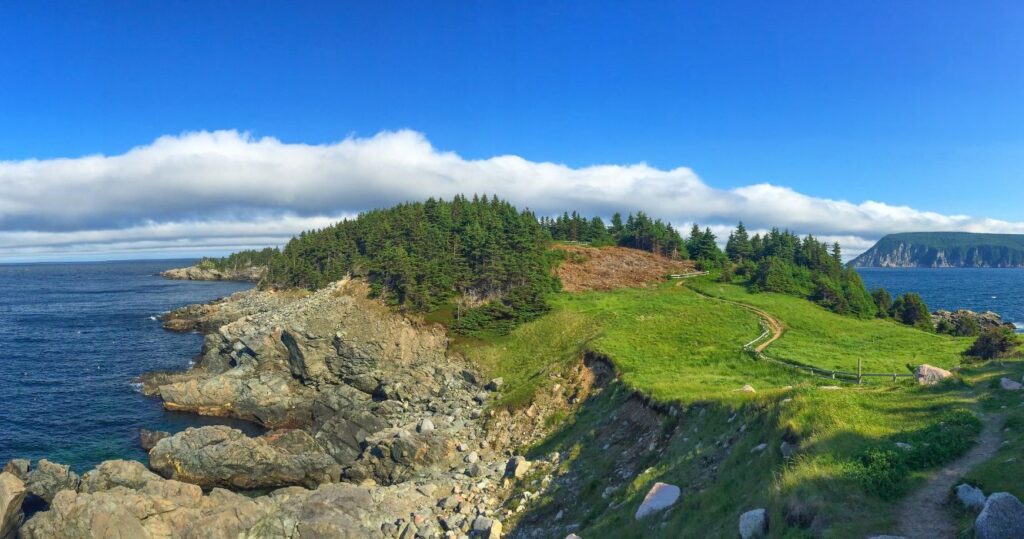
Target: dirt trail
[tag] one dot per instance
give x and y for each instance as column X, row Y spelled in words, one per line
column 775, row 326
column 923, row 514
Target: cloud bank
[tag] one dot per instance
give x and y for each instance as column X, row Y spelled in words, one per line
column 224, row 190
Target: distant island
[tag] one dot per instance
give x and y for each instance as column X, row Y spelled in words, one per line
column 944, row 250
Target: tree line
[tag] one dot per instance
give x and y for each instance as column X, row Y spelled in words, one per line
column 637, row 231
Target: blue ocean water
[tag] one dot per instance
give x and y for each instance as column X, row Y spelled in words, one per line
column 72, row 337
column 978, row 289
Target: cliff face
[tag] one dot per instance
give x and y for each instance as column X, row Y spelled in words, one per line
column 944, row 250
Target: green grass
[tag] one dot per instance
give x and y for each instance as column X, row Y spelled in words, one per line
column 675, row 345
column 667, row 342
column 814, row 336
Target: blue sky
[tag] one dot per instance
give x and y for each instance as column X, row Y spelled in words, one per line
column 906, row 103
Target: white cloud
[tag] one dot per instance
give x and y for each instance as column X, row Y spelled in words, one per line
column 226, row 189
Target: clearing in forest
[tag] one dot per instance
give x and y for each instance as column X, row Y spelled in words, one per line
column 607, row 268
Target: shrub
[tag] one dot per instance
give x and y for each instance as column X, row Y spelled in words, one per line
column 994, row 343
column 883, row 472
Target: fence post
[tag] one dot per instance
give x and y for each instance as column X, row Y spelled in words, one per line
column 859, row 372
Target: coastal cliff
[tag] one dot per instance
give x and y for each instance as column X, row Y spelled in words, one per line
column 375, row 429
column 944, row 250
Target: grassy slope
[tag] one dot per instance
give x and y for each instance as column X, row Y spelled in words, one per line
column 815, row 336
column 675, row 345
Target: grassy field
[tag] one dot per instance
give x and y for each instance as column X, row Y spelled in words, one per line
column 675, row 345
column 667, row 342
column 817, row 337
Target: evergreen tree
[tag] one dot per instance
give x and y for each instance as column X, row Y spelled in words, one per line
column 883, row 302
column 739, row 248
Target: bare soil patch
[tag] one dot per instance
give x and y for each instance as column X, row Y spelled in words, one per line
column 608, row 268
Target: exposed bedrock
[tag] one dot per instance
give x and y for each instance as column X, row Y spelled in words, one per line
column 224, row 457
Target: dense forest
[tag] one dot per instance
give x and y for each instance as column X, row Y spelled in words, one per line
column 420, row 256
column 781, row 261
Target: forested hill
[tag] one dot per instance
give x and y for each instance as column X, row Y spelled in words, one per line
column 944, row 250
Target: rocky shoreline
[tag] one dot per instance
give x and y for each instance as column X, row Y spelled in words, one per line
column 252, row 274
column 374, row 430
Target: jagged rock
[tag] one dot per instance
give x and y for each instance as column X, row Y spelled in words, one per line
column 1010, row 385
column 966, row 323
column 395, row 455
column 149, row 438
column 343, row 418
column 487, row 527
column 47, row 479
column 517, row 467
column 116, row 473
column 904, row 446
column 788, row 450
column 1001, row 518
column 495, row 384
column 928, row 375
column 971, row 497
column 272, row 399
column 18, row 467
column 220, row 456
column 754, row 524
column 660, row 497
column 12, row 495
column 425, row 426
column 759, row 448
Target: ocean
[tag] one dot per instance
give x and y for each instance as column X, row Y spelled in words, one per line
column 72, row 338
column 977, row 289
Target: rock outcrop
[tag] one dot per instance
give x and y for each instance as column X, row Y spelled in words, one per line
column 251, row 274
column 219, row 456
column 46, row 479
column 966, row 323
column 116, row 473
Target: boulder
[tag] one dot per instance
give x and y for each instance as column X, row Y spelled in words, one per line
column 517, row 467
column 495, row 384
column 659, row 498
column 219, row 456
column 788, row 450
column 149, row 438
column 487, row 527
column 972, row 498
column 12, row 495
column 1001, row 518
column 116, row 473
column 747, row 389
column 929, row 375
column 47, row 479
column 754, row 524
column 1010, row 385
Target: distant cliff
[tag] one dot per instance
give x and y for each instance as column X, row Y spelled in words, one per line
column 944, row 250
